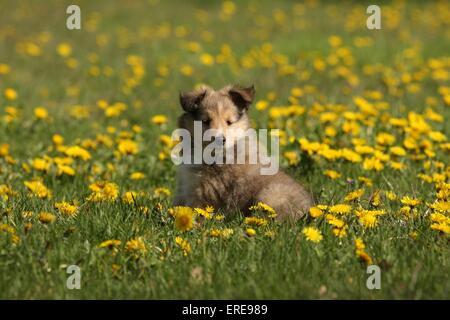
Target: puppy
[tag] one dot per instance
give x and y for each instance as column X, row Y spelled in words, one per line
column 232, row 186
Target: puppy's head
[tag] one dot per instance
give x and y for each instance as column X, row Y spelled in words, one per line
column 224, row 110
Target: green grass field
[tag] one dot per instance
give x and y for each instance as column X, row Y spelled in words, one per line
column 364, row 118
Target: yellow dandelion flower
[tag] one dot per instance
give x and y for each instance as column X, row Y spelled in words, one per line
column 385, row 139
column 312, row 234
column 159, row 119
column 137, row 176
column 255, row 221
column 27, row 226
column 359, row 244
column 413, row 235
column 130, row 197
column 146, row 210
column 136, row 247
column 437, row 136
column 58, row 139
column 166, row 140
column 442, row 227
column 332, row 174
column 46, row 217
column 354, row 195
column 361, row 253
column 38, row 188
column 103, row 191
column 375, row 199
column 397, row 165
column 184, row 245
column 334, row 221
column 162, row 192
column 207, row 59
column 340, row 208
column 406, row 210
column 4, row 150
column 184, row 218
column 110, row 244
column 77, row 152
column 63, row 169
column 219, row 217
column 364, row 256
column 441, row 205
column 292, row 157
column 128, row 147
column 115, row 268
column 335, row 41
column 41, row 113
column 41, row 164
column 203, row 212
column 6, row 192
column 27, row 214
column 222, row 233
column 439, row 218
column 193, row 46
column 4, row 68
column 64, row 49
column 269, row 234
column 340, row 232
column 66, row 208
column 261, row 105
column 10, row 94
column 15, row 239
column 368, row 220
column 398, row 151
column 215, row 233
column 315, row 212
column 260, row 206
column 186, row 70
column 366, row 181
column 391, row 195
column 250, row 232
column 411, row 202
column 373, row 163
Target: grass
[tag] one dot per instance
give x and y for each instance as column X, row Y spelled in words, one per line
column 411, row 50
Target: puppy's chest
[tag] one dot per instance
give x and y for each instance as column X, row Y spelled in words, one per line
column 216, row 186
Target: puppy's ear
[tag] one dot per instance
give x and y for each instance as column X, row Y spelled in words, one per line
column 190, row 101
column 242, row 97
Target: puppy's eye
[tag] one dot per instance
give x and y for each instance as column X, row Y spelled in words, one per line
column 230, row 122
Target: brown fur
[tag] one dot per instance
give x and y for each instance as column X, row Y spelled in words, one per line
column 232, row 186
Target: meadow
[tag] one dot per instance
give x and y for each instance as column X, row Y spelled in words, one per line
column 86, row 177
